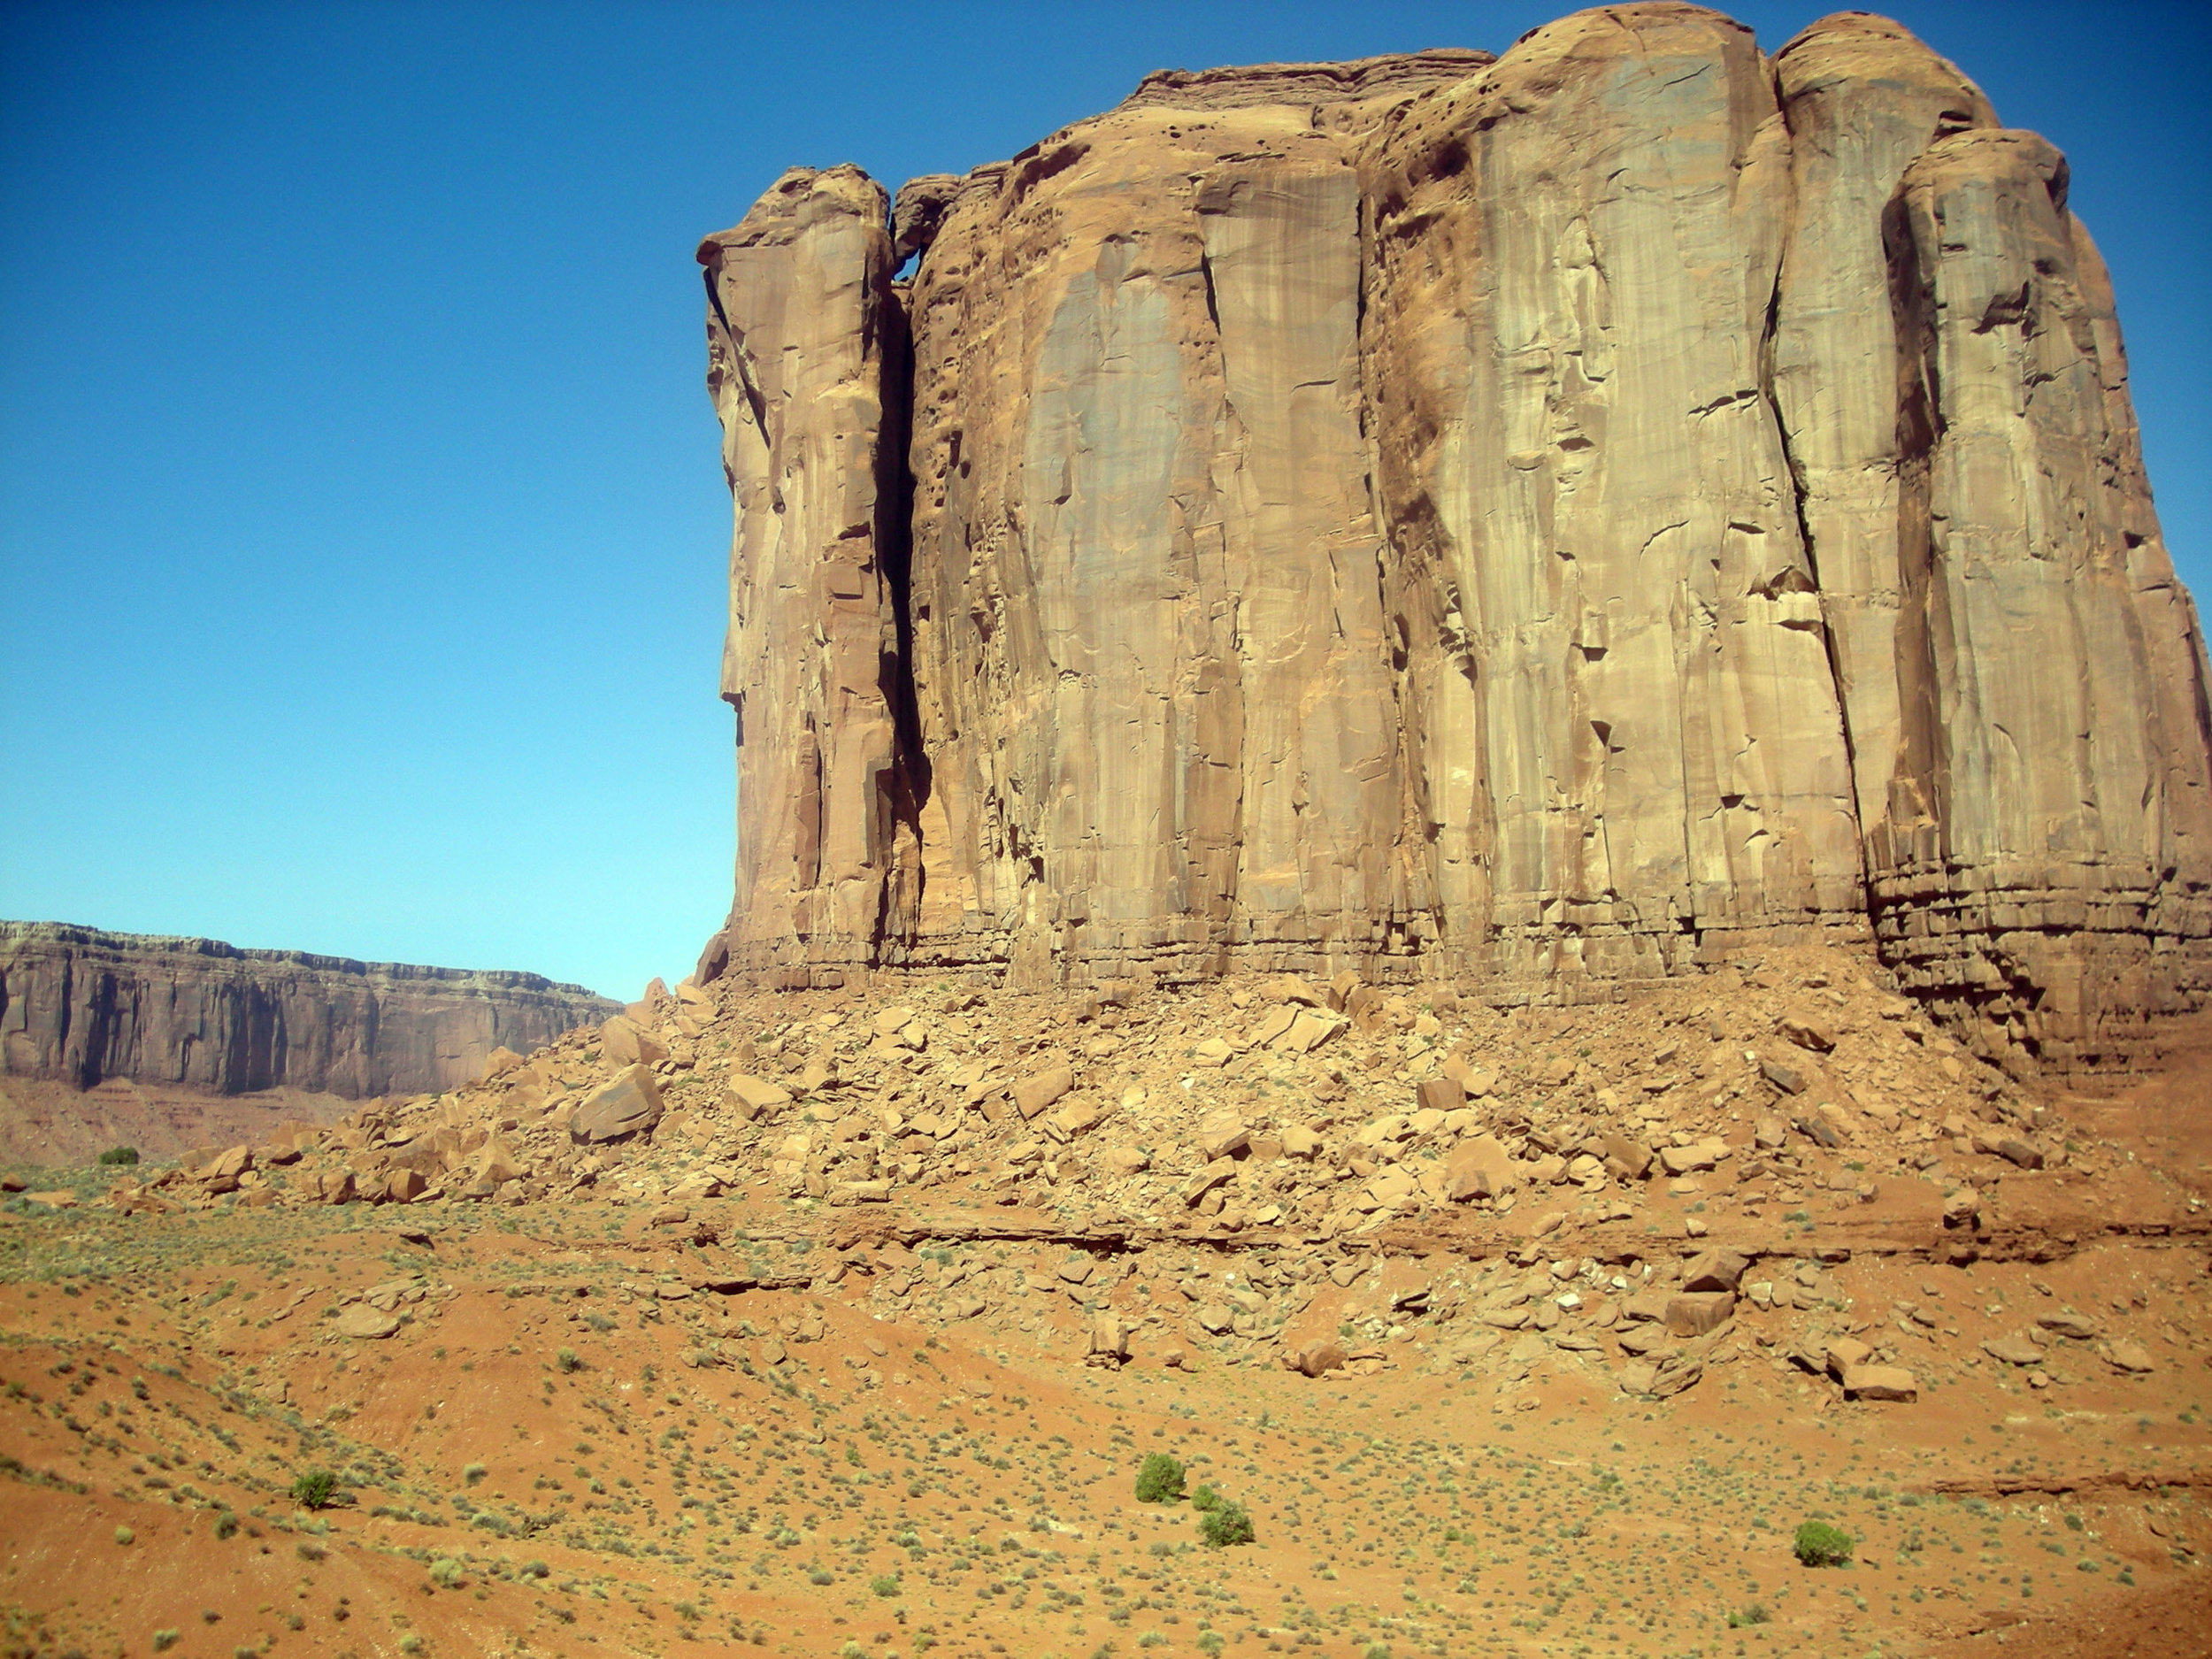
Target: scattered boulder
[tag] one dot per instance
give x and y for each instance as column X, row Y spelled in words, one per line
column 1696, row 1313
column 1212, row 1176
column 1807, row 1034
column 1110, row 1341
column 365, row 1324
column 404, row 1187
column 623, row 1042
column 1788, row 1079
column 625, row 1104
column 2019, row 1350
column 1698, row 1155
column 1479, row 1168
column 1844, row 1353
column 1714, row 1270
column 1312, row 1028
column 1317, row 1357
column 1034, row 1093
column 2132, row 1356
column 1891, row 1383
column 1626, row 1160
column 750, row 1097
column 1223, row 1135
column 1443, row 1093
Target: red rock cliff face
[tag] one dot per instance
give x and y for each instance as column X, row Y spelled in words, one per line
column 80, row 1005
column 1543, row 521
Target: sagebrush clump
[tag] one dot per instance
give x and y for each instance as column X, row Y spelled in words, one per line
column 1160, row 1479
column 1821, row 1545
column 1225, row 1523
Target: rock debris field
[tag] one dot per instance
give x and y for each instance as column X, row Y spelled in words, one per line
column 841, row 1321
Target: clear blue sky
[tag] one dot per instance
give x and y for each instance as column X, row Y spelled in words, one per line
column 361, row 528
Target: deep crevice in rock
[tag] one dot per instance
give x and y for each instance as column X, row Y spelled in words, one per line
column 906, row 785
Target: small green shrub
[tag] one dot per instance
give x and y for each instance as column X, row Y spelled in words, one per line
column 226, row 1524
column 446, row 1573
column 1160, row 1479
column 1205, row 1499
column 1743, row 1618
column 885, row 1585
column 1225, row 1524
column 821, row 1575
column 124, row 1535
column 1821, row 1545
column 314, row 1489
column 119, row 1155
column 165, row 1640
column 474, row 1472
column 567, row 1361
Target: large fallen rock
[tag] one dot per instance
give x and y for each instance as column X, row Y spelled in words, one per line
column 626, row 1104
column 1880, row 1382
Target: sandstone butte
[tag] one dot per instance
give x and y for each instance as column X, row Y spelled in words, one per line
column 79, row 1006
column 1545, row 521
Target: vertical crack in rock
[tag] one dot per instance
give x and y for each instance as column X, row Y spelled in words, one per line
column 907, row 782
column 1794, row 481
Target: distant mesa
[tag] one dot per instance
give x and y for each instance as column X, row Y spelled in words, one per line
column 81, row 1006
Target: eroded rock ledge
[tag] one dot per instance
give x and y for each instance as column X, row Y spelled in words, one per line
column 1542, row 521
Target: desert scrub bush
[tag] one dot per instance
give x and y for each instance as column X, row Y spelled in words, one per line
column 1225, row 1524
column 1821, row 1545
column 124, row 1535
column 119, row 1155
column 446, row 1573
column 567, row 1360
column 1743, row 1618
column 1160, row 1479
column 314, row 1488
column 474, row 1472
column 226, row 1524
column 165, row 1640
column 1205, row 1499
column 885, row 1585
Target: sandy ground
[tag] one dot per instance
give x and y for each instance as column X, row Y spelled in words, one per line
column 587, row 1431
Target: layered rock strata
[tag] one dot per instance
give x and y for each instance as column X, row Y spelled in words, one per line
column 80, row 1005
column 1544, row 521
